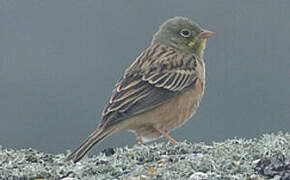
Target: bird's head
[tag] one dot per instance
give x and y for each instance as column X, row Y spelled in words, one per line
column 183, row 34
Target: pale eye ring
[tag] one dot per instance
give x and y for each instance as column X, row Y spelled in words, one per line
column 185, row 33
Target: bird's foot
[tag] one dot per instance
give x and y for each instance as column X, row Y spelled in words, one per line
column 167, row 136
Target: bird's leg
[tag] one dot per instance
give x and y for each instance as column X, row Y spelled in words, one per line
column 167, row 136
column 139, row 140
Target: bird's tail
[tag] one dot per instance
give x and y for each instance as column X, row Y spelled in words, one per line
column 98, row 135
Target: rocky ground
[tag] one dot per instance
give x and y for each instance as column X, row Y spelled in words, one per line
column 265, row 157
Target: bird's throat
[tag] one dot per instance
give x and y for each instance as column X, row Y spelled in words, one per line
column 198, row 48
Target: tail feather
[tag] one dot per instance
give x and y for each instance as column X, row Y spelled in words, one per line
column 98, row 135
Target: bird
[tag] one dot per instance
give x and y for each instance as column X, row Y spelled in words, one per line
column 160, row 90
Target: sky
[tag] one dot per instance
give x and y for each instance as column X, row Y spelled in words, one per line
column 59, row 61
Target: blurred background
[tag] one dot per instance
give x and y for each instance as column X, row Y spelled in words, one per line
column 59, row 61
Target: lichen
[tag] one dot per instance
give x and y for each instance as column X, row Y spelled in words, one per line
column 231, row 159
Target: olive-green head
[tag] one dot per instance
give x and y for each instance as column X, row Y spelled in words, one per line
column 183, row 34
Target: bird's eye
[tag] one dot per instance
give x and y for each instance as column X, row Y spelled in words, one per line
column 185, row 33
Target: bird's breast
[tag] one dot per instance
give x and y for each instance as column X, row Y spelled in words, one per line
column 173, row 113
column 178, row 111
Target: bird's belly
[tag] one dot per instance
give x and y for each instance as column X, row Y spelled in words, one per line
column 170, row 115
column 177, row 111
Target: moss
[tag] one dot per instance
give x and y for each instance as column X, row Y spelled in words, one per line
column 232, row 159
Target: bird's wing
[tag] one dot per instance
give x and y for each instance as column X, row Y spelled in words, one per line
column 156, row 76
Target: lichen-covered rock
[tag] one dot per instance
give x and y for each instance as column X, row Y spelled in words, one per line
column 232, row 159
column 275, row 166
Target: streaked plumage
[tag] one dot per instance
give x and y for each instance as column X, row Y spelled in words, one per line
column 157, row 75
column 160, row 90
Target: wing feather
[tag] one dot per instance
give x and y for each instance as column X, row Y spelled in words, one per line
column 149, row 82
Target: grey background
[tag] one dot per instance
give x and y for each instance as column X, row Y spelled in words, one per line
column 60, row 59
